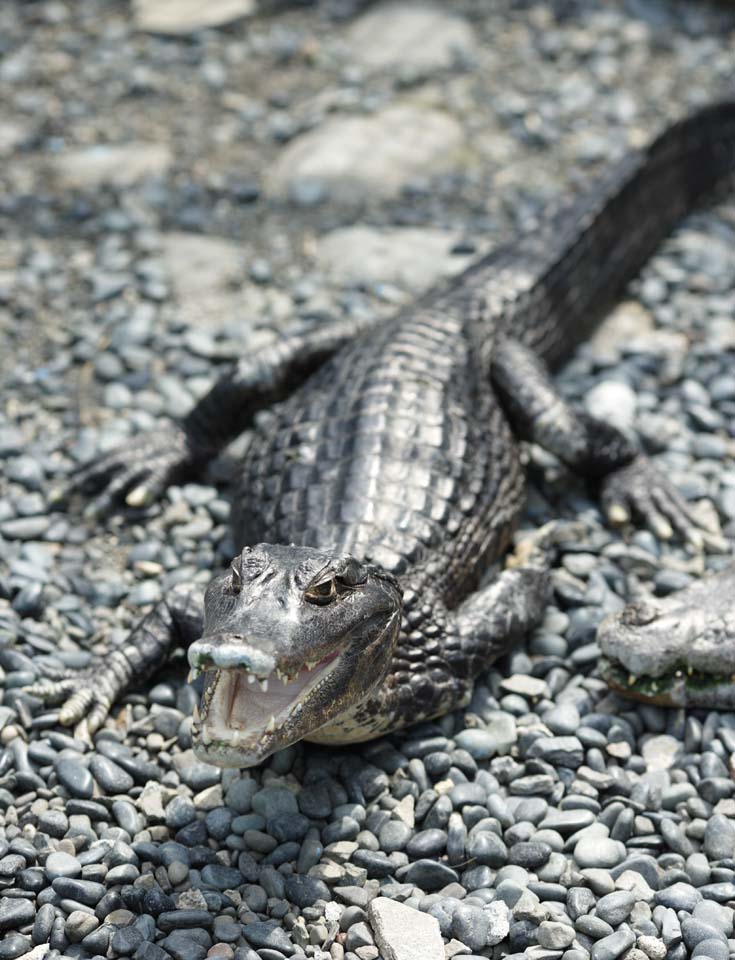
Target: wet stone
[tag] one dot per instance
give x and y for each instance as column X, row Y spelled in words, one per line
column 467, row 793
column 112, row 778
column 184, row 919
column 218, row 823
column 567, row 821
column 273, row 801
column 613, row 946
column 85, row 891
column 288, row 827
column 530, row 854
column 305, row 891
column 429, row 875
column 61, row 864
column 226, row 930
column 75, row 777
column 719, row 838
column 555, row 935
column 15, row 913
column 598, row 852
column 679, row 896
column 180, row 812
column 470, row 926
column 264, row 935
column 614, row 908
column 79, row 924
column 483, row 744
column 221, row 877
column 427, row 843
column 14, row 945
column 394, row 835
column 487, row 848
column 126, row 940
column 558, row 751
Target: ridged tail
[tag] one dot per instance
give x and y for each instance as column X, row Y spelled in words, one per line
column 551, row 288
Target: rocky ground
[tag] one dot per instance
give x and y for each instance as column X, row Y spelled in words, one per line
column 172, row 195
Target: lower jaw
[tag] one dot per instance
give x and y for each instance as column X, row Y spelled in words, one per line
column 694, row 689
column 227, row 753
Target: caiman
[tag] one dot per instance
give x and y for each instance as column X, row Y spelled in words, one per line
column 384, row 479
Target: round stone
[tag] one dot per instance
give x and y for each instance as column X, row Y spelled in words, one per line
column 112, row 778
column 486, row 847
column 598, row 852
column 614, row 908
column 75, row 777
column 530, row 854
column 60, row 864
column 394, row 835
column 555, row 935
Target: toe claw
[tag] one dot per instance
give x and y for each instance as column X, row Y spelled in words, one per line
column 136, row 473
column 139, row 496
column 75, row 707
column 618, row 515
column 640, row 489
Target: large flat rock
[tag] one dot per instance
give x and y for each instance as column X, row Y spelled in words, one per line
column 407, row 257
column 357, row 158
column 198, row 264
column 119, row 165
column 410, row 36
column 180, row 17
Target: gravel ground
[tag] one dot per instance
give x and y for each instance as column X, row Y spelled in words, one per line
column 167, row 202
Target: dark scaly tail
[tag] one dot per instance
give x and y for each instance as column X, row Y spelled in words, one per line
column 552, row 287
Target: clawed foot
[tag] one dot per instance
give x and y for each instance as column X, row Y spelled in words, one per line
column 640, row 491
column 84, row 695
column 136, row 473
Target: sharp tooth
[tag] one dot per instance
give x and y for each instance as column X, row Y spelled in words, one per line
column 193, row 674
column 263, row 685
column 271, row 728
column 195, row 713
column 251, row 678
column 285, row 679
column 310, row 664
column 205, row 737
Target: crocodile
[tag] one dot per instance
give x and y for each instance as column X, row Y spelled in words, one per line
column 678, row 650
column 384, row 482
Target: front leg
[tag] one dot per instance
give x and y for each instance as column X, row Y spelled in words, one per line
column 441, row 651
column 174, row 622
column 496, row 617
column 141, row 469
column 630, row 484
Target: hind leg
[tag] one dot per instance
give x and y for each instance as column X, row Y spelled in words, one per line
column 630, row 484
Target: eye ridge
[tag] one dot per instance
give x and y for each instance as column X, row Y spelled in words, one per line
column 327, row 590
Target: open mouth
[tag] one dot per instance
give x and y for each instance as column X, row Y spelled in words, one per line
column 240, row 707
column 669, row 689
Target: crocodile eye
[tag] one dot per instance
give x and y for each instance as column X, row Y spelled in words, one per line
column 322, row 593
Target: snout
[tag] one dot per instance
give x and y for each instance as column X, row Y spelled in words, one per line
column 227, row 651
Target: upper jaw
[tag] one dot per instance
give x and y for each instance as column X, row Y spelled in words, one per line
column 230, row 651
column 246, row 717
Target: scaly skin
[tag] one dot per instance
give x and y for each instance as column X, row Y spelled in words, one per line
column 398, row 446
